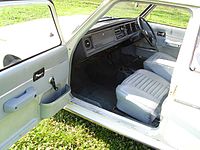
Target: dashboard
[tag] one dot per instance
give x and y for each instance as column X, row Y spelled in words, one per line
column 107, row 35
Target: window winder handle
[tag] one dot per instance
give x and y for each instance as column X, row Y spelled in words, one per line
column 53, row 83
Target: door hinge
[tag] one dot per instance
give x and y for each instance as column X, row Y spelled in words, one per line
column 173, row 92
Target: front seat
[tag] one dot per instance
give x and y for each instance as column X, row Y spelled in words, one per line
column 161, row 64
column 141, row 95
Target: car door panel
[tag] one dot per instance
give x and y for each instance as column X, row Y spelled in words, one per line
column 169, row 39
column 33, row 100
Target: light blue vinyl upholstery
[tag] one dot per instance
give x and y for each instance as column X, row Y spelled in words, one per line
column 141, row 95
column 161, row 64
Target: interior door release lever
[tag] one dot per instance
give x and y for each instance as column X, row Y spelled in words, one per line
column 53, row 83
column 162, row 34
column 38, row 74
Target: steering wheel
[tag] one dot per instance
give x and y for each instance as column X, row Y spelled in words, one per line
column 147, row 31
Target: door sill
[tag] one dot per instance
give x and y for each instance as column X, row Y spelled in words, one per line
column 119, row 124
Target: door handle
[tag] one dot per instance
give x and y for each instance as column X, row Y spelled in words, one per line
column 17, row 103
column 162, row 34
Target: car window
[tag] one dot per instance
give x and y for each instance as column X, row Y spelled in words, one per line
column 171, row 16
column 25, row 31
column 72, row 13
column 126, row 10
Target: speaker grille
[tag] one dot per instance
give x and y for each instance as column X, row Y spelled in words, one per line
column 87, row 42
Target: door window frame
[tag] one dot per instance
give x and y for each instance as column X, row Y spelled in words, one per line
column 54, row 16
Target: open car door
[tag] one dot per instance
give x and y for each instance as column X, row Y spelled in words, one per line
column 33, row 67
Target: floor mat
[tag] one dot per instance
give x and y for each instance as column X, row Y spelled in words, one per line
column 99, row 95
column 96, row 79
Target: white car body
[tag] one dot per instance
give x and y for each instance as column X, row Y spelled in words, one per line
column 179, row 127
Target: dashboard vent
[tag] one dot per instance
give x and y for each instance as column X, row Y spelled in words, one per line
column 128, row 29
column 120, row 32
column 134, row 27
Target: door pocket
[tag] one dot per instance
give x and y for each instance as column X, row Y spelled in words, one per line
column 53, row 101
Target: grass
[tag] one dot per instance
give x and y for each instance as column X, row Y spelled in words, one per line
column 65, row 130
column 18, row 14
column 175, row 16
column 9, row 16
column 161, row 14
column 72, row 7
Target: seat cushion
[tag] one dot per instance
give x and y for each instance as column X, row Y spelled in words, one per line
column 141, row 95
column 161, row 64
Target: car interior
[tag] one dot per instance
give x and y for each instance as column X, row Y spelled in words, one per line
column 125, row 66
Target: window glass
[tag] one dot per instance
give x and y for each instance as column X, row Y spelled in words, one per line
column 126, row 10
column 171, row 16
column 72, row 13
column 25, row 31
